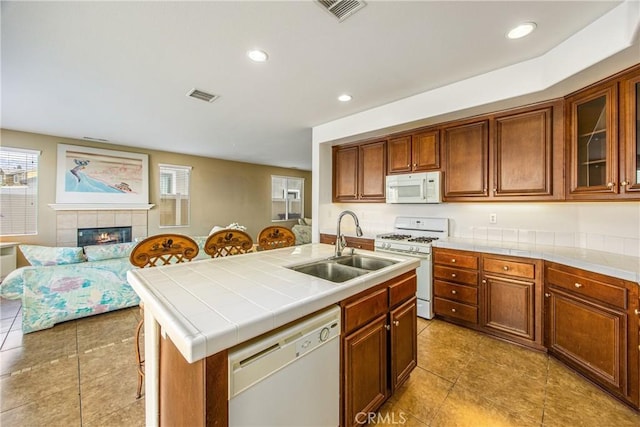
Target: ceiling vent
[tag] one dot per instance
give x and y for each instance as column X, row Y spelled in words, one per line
column 341, row 9
column 203, row 96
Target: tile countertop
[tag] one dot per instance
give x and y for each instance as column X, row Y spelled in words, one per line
column 615, row 265
column 209, row 305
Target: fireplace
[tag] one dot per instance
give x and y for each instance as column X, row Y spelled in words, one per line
column 103, row 236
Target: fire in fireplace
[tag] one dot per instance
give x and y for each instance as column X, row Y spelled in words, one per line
column 103, row 236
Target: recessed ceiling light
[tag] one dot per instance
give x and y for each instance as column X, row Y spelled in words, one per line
column 344, row 98
column 521, row 30
column 258, row 55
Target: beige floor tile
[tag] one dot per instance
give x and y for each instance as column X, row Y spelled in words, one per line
column 453, row 336
column 422, row 395
column 441, row 358
column 111, row 359
column 572, row 400
column 58, row 409
column 422, row 324
column 107, row 394
column 466, row 408
column 106, row 328
column 130, row 416
column 522, row 360
column 9, row 308
column 505, row 387
column 38, row 383
column 39, row 347
column 390, row 415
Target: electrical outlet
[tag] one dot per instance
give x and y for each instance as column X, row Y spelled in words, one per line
column 493, row 218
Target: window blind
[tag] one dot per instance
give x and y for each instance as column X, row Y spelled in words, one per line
column 18, row 191
column 174, row 195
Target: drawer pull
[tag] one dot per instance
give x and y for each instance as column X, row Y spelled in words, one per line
column 387, row 327
column 453, row 310
column 505, row 268
column 396, row 322
column 453, row 274
column 484, row 281
column 578, row 285
column 453, row 260
column 547, row 294
column 455, row 292
column 637, row 312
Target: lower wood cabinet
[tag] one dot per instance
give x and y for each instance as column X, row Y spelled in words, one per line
column 591, row 325
column 379, row 348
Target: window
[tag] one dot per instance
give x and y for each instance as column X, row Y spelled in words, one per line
column 19, row 191
column 287, row 198
column 175, row 206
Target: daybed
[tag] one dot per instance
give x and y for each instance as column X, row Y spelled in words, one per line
column 69, row 283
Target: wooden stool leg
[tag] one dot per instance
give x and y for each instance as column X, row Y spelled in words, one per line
column 139, row 360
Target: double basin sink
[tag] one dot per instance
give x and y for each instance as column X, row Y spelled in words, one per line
column 343, row 268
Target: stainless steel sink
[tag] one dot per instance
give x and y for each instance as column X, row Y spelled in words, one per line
column 364, row 262
column 342, row 268
column 330, row 270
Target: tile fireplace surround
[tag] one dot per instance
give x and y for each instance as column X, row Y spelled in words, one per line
column 68, row 222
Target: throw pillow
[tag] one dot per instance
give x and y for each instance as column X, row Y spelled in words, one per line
column 47, row 255
column 308, row 221
column 102, row 252
column 11, row 286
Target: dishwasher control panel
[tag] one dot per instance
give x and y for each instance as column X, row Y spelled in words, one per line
column 317, row 337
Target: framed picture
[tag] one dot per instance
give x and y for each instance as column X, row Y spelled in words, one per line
column 93, row 175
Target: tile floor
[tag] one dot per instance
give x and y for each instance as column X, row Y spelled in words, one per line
column 82, row 373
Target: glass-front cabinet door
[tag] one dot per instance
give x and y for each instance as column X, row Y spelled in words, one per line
column 630, row 166
column 594, row 142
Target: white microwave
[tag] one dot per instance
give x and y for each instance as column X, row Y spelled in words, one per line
column 423, row 187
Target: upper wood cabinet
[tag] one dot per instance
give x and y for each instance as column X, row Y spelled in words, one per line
column 602, row 136
column 359, row 172
column 417, row 152
column 466, row 151
column 630, row 131
column 513, row 155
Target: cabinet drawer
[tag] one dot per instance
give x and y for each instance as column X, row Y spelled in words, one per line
column 607, row 293
column 458, row 293
column 456, row 259
column 509, row 268
column 455, row 275
column 359, row 311
column 456, row 310
column 404, row 289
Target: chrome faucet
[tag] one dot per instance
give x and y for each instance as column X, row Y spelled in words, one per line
column 341, row 243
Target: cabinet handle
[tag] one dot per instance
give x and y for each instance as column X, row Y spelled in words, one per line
column 624, row 183
column 415, row 165
column 387, row 327
column 578, row 285
column 505, row 268
column 637, row 312
column 547, row 294
column 396, row 322
column 453, row 310
column 453, row 274
column 453, row 260
column 484, row 281
column 408, row 166
column 495, row 190
column 455, row 292
column 611, row 184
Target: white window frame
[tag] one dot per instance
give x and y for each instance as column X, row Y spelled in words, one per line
column 32, row 199
column 298, row 195
column 173, row 170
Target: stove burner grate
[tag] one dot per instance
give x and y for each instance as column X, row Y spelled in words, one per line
column 396, row 236
column 422, row 239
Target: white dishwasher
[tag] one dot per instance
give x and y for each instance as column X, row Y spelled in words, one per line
column 290, row 377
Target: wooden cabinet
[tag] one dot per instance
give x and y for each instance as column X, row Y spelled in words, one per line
column 512, row 298
column 592, row 327
column 455, row 285
column 602, row 135
column 630, row 131
column 466, row 160
column 513, row 155
column 359, row 172
column 416, row 152
column 379, row 351
column 352, row 242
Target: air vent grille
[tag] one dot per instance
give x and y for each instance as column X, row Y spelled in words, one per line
column 201, row 95
column 341, row 9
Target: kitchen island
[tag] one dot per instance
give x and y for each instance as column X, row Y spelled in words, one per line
column 206, row 307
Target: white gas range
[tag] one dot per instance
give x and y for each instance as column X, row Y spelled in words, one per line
column 412, row 236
